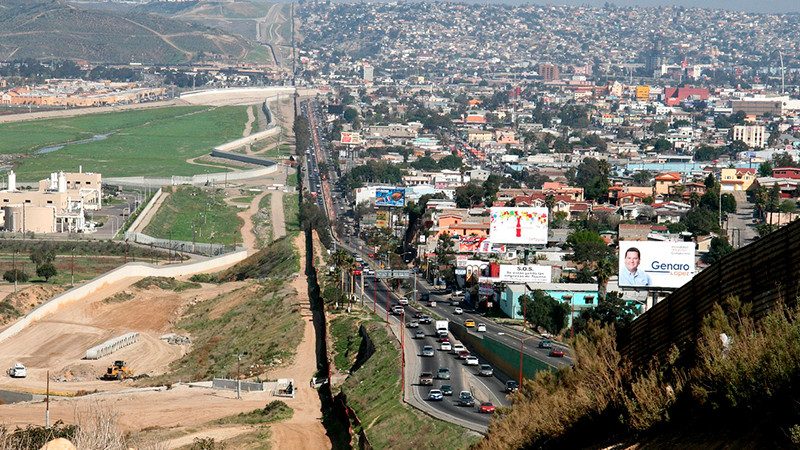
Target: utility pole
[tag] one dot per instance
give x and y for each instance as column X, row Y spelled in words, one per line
column 14, row 260
column 402, row 351
column 72, row 269
column 47, row 407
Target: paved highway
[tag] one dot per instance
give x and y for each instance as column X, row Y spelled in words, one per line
column 462, row 377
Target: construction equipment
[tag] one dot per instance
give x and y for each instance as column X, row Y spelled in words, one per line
column 118, row 371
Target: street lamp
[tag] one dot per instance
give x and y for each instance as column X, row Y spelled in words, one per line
column 521, row 350
column 238, row 357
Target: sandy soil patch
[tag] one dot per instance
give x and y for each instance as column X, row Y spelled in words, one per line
column 59, row 341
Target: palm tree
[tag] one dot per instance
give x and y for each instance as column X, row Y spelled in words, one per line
column 603, row 271
column 550, row 202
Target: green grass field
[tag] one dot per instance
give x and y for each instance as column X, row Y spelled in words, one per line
column 154, row 142
column 205, row 209
column 291, row 212
column 374, row 393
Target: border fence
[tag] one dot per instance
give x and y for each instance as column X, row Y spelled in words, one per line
column 763, row 273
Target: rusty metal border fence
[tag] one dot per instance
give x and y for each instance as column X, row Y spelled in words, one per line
column 763, row 273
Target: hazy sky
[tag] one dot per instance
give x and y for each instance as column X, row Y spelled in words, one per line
column 760, row 6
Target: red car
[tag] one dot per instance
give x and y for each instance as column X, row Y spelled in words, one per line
column 557, row 353
column 486, row 408
column 463, row 354
column 444, row 339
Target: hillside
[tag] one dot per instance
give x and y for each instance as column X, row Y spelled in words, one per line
column 54, row 29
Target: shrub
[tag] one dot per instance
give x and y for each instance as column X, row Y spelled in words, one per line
column 21, row 277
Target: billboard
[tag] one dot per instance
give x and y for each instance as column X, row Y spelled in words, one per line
column 352, row 138
column 530, row 273
column 390, row 197
column 470, row 244
column 383, row 219
column 518, row 225
column 656, row 264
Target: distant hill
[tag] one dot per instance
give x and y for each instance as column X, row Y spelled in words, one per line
column 49, row 29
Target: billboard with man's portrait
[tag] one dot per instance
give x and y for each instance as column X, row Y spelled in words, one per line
column 644, row 264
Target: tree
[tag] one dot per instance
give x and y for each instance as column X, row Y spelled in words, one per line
column 659, row 127
column 765, row 169
column 43, row 254
column 21, row 276
column 701, row 220
column 46, row 271
column 469, row 195
column 719, row 248
column 642, row 178
column 783, row 160
column 587, row 246
column 612, row 310
column 728, row 203
column 542, row 310
column 662, row 145
column 592, row 175
column 350, row 114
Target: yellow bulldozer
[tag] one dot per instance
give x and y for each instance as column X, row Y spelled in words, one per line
column 118, row 371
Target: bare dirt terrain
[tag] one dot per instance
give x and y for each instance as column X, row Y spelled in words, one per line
column 304, row 429
column 59, row 341
column 177, row 415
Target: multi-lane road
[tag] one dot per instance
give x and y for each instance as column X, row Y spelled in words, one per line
column 462, row 377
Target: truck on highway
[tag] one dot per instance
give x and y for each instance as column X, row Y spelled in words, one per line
column 441, row 327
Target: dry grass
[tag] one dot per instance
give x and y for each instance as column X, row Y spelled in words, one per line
column 96, row 428
column 602, row 400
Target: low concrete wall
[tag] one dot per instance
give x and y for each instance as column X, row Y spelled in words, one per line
column 499, row 355
column 225, row 383
column 216, row 178
column 241, row 157
column 248, row 140
column 130, row 270
column 145, row 210
column 245, row 95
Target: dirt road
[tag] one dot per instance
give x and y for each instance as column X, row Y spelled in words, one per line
column 304, row 429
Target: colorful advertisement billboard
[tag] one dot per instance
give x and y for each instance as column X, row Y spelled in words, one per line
column 518, row 225
column 383, row 219
column 351, row 138
column 530, row 273
column 655, row 264
column 390, row 197
column 471, row 244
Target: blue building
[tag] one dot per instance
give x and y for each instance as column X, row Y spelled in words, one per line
column 579, row 296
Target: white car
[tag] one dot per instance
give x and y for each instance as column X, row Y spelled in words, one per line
column 18, row 371
column 445, row 347
column 403, row 301
column 472, row 361
column 481, row 328
column 458, row 348
column 458, row 311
